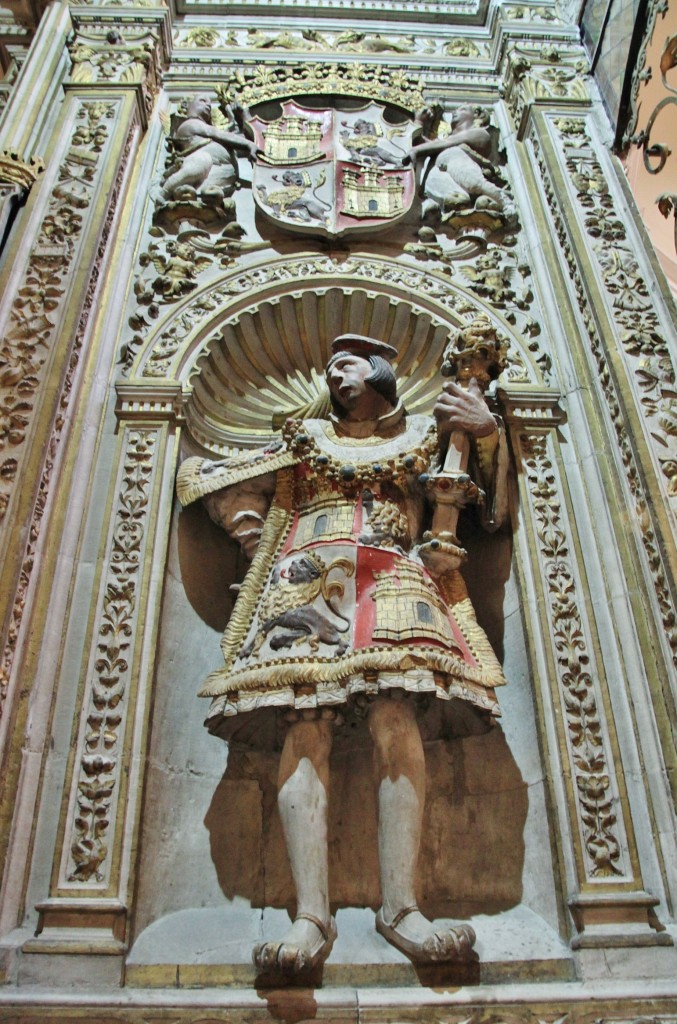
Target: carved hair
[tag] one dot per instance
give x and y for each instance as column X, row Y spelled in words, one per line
column 382, row 379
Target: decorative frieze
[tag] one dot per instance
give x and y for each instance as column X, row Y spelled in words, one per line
column 349, row 41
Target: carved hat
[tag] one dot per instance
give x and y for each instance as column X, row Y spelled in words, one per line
column 359, row 345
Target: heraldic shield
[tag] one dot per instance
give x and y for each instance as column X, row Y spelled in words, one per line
column 333, row 172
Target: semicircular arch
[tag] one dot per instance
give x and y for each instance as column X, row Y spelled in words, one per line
column 252, row 346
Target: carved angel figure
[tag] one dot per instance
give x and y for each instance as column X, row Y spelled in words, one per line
column 354, row 603
column 206, row 164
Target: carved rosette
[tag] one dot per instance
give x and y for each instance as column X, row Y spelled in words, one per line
column 594, row 792
column 95, row 789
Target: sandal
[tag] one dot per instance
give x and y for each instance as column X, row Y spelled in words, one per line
column 450, row 943
column 290, row 959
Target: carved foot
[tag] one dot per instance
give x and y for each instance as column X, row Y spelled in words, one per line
column 424, row 941
column 308, row 943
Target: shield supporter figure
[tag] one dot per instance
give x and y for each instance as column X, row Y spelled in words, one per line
column 354, row 604
column 333, row 172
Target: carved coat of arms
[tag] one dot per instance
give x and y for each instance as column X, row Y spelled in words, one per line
column 333, row 172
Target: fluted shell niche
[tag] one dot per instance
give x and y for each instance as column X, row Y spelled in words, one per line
column 267, row 362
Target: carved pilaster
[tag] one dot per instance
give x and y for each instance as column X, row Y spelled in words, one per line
column 628, row 336
column 92, row 874
column 46, row 320
column 607, row 899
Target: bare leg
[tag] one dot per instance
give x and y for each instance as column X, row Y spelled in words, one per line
column 302, row 799
column 399, row 766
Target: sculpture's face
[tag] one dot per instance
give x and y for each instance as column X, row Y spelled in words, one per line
column 201, row 107
column 461, row 115
column 346, row 379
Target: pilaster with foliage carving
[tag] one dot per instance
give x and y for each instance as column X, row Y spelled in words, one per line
column 92, row 876
column 626, row 329
column 606, row 893
column 33, row 324
column 54, row 274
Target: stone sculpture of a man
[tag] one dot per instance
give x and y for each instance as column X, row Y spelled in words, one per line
column 348, row 604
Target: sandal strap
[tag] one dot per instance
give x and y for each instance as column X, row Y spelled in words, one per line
column 320, row 925
column 401, row 914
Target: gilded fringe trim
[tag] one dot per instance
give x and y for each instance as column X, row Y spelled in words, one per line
column 191, row 484
column 277, row 675
column 478, row 642
column 275, row 529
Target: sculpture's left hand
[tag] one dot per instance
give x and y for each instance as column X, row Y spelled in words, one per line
column 464, row 409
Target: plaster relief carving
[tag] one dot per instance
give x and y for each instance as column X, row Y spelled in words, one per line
column 461, row 184
column 194, row 222
column 28, row 561
column 125, row 53
column 324, row 273
column 333, row 172
column 311, row 40
column 204, row 167
column 628, row 295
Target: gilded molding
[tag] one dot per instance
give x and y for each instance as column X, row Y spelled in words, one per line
column 107, row 696
column 594, row 790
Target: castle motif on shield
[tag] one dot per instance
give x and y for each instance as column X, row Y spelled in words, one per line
column 333, row 172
